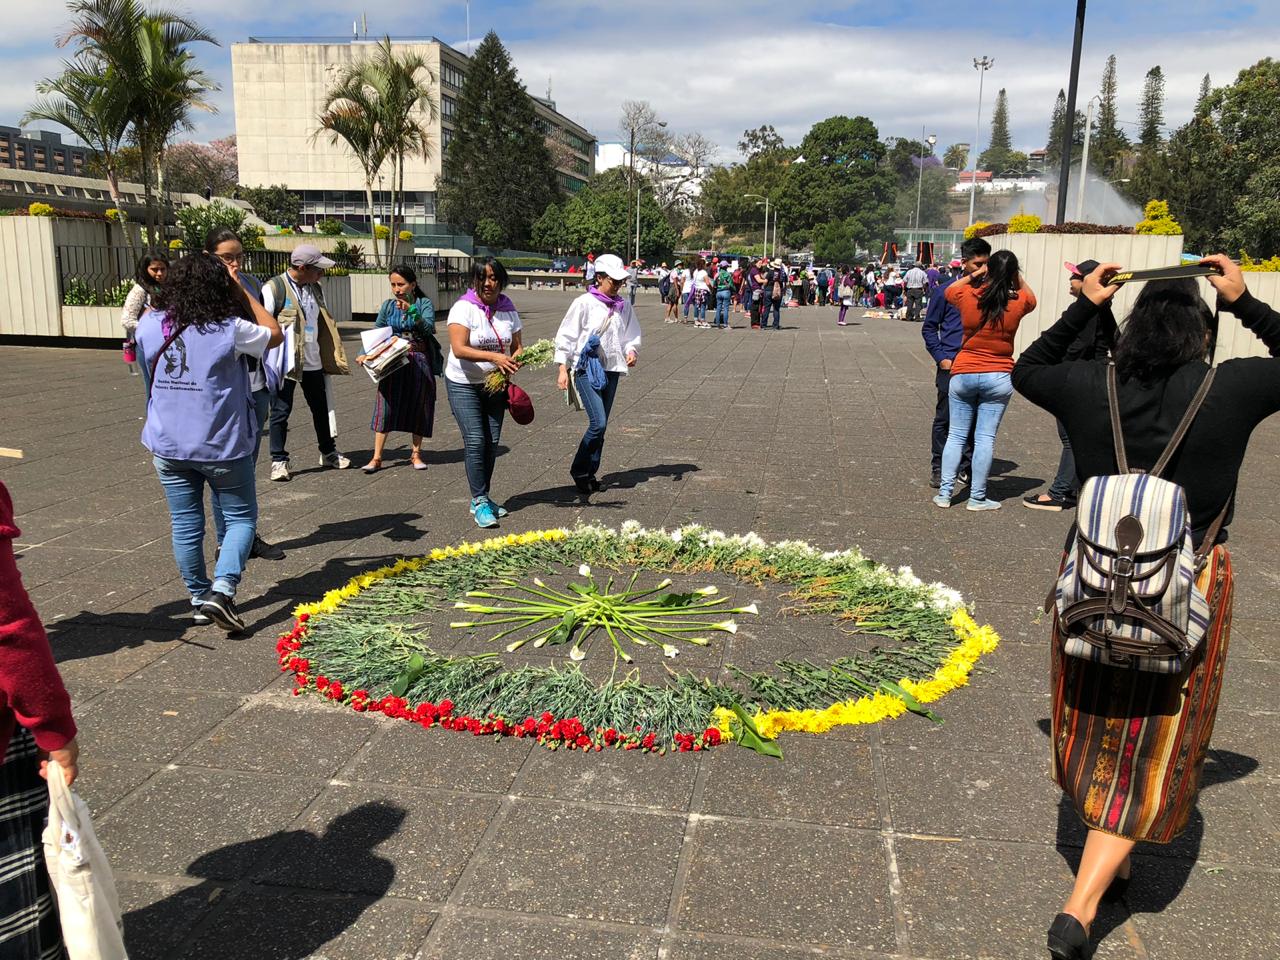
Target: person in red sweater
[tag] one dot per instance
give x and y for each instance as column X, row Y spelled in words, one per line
column 35, row 726
column 992, row 302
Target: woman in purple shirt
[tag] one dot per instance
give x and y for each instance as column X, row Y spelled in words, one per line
column 201, row 427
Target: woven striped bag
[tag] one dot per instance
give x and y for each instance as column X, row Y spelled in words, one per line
column 1127, row 594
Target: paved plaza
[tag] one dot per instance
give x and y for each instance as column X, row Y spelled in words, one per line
column 244, row 822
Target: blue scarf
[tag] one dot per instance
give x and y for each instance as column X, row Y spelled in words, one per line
column 589, row 364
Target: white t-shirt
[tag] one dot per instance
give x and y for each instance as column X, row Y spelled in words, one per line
column 309, row 329
column 251, row 339
column 700, row 281
column 481, row 337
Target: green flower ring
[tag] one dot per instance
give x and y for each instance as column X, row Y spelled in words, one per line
column 358, row 646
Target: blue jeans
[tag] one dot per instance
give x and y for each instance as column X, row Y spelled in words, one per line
column 776, row 306
column 596, row 404
column 1065, row 484
column 261, row 409
column 631, row 292
column 688, row 299
column 183, row 482
column 479, row 415
column 700, row 309
column 723, row 299
column 978, row 402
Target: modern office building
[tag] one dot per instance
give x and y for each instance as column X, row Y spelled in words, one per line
column 42, row 152
column 279, row 86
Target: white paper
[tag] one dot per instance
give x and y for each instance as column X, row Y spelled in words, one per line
column 371, row 338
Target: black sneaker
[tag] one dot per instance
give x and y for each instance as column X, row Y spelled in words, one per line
column 1044, row 501
column 264, row 550
column 962, row 479
column 221, row 609
column 583, row 484
column 596, row 485
column 199, row 618
column 935, row 479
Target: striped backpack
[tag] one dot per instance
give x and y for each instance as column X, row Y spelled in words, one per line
column 1127, row 594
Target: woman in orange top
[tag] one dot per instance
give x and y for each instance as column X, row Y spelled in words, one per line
column 992, row 302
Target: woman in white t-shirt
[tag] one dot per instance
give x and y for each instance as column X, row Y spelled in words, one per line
column 484, row 335
column 701, row 293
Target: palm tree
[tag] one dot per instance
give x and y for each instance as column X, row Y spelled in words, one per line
column 350, row 116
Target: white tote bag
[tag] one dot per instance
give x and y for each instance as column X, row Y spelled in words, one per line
column 80, row 877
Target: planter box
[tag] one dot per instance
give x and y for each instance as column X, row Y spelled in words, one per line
column 101, row 322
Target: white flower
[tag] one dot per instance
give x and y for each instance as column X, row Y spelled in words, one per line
column 677, row 535
column 750, row 608
column 631, row 529
column 462, row 605
column 472, row 624
column 584, row 571
column 707, row 591
column 670, row 650
column 577, row 653
column 728, row 626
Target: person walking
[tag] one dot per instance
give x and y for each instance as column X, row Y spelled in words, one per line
column 36, row 726
column 992, row 302
column 778, row 286
column 701, row 293
column 756, row 291
column 1094, row 343
column 589, row 271
column 847, row 291
column 943, row 332
column 406, row 400
column 484, row 336
column 724, row 295
column 633, row 281
column 916, row 282
column 200, row 427
column 675, row 288
column 148, row 276
column 225, row 244
column 311, row 353
column 1129, row 746
column 600, row 337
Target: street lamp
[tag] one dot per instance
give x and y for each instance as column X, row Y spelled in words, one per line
column 631, row 176
column 757, row 196
column 931, row 140
column 1084, row 158
column 982, row 65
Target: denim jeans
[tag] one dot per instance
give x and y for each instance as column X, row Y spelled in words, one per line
column 631, row 292
column 746, row 301
column 479, row 415
column 261, row 408
column 282, row 406
column 942, row 426
column 978, row 402
column 597, row 405
column 688, row 300
column 777, row 313
column 723, row 297
column 183, row 482
column 1065, row 484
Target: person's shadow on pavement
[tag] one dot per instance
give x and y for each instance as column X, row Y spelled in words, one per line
column 277, row 922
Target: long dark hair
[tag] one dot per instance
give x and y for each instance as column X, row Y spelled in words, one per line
column 1000, row 286
column 144, row 279
column 200, row 293
column 408, row 273
column 1165, row 330
column 477, row 273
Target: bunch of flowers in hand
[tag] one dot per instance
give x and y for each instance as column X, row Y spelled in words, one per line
column 532, row 357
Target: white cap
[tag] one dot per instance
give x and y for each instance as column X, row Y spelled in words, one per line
column 611, row 266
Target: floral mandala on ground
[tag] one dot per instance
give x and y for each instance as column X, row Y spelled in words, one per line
column 357, row 646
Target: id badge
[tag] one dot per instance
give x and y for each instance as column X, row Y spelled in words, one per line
column 309, row 335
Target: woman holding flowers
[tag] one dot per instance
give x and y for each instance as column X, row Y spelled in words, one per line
column 484, row 337
column 406, row 400
column 598, row 339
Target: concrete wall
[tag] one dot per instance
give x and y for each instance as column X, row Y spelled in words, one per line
column 28, row 278
column 369, row 290
column 288, row 241
column 1233, row 339
column 98, row 322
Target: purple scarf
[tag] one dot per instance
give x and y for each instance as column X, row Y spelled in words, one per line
column 504, row 304
column 614, row 303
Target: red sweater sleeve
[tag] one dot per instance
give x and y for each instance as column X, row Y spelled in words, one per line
column 31, row 689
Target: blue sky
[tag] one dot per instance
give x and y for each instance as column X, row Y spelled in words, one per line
column 908, row 66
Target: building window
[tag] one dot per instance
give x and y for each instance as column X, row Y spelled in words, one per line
column 448, row 106
column 446, row 138
column 575, row 141
column 451, row 76
column 572, row 184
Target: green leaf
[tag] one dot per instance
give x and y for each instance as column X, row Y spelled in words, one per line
column 676, row 599
column 412, row 671
column 749, row 736
column 914, row 705
column 564, row 632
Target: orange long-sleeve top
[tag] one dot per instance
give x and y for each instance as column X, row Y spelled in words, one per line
column 989, row 348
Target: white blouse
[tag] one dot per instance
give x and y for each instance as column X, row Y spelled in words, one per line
column 585, row 317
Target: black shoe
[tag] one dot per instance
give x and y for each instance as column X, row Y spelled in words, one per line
column 199, row 618
column 596, row 485
column 935, row 479
column 1068, row 939
column 583, row 484
column 221, row 609
column 962, row 478
column 1044, row 501
column 265, row 551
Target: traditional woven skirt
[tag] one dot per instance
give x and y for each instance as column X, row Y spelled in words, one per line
column 406, row 400
column 1129, row 746
column 29, row 927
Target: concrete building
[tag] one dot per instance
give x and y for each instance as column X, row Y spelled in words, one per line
column 279, row 86
column 674, row 175
column 42, row 152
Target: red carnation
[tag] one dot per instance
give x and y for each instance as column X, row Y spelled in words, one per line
column 446, row 705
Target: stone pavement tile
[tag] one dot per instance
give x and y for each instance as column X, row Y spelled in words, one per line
column 628, row 777
column 690, row 947
column 269, row 925
column 984, row 795
column 513, row 937
column 820, row 780
column 41, row 565
column 159, row 915
column 103, row 783
column 375, row 840
column 563, row 859
column 404, row 753
column 296, row 739
column 1250, row 640
column 1018, row 622
column 145, row 724
column 1251, row 684
column 90, row 652
column 806, row 884
column 1250, row 735
column 209, row 824
column 969, row 899
column 984, row 716
column 215, row 662
column 1184, row 911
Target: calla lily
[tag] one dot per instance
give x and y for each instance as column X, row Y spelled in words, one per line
column 750, row 608
column 584, row 571
column 577, row 653
column 462, row 624
column 708, row 591
column 728, row 626
column 670, row 650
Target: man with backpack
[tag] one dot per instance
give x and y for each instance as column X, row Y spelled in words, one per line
column 724, row 296
column 778, row 287
column 311, row 353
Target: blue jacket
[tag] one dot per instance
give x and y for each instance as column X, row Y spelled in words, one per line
column 943, row 330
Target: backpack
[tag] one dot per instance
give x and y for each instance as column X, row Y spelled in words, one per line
column 777, row 285
column 1127, row 594
column 664, row 286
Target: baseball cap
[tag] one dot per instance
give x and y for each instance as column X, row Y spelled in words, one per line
column 309, row 255
column 611, row 266
column 1081, row 269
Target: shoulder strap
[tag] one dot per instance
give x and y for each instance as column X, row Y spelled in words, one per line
column 1185, row 424
column 1117, row 431
column 279, row 294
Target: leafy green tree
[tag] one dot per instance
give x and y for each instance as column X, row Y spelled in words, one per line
column 490, row 234
column 956, row 156
column 996, row 156
column 275, row 204
column 833, row 243
column 549, row 233
column 1109, row 144
column 198, row 221
column 1206, row 88
column 595, row 218
column 760, row 141
column 1151, row 110
column 1057, row 122
column 1255, row 224
column 843, row 177
column 498, row 165
column 934, row 192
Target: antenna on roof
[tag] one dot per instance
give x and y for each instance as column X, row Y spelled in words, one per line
column 364, row 23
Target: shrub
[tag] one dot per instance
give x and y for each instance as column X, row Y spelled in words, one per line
column 971, row 231
column 79, row 293
column 40, row 210
column 1158, row 221
column 114, row 215
column 175, row 244
column 197, row 222
column 330, row 227
column 286, row 231
column 1249, row 265
column 347, row 255
column 1024, row 223
column 405, row 235
column 381, row 231
column 116, row 296
column 526, row 263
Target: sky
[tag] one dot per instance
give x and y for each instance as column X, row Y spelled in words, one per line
column 789, row 63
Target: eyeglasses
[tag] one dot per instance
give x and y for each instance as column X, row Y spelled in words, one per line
column 230, row 257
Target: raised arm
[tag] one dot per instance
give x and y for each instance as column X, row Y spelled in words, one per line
column 1235, row 298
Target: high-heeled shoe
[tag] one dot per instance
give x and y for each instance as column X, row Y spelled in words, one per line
column 1068, row 939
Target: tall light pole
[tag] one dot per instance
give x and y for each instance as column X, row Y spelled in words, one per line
column 931, row 140
column 637, row 226
column 631, row 185
column 1084, row 159
column 765, row 249
column 1069, row 121
column 982, row 65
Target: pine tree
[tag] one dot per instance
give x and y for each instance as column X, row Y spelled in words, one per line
column 1109, row 142
column 1053, row 149
column 498, row 166
column 1205, row 89
column 1151, row 112
column 997, row 154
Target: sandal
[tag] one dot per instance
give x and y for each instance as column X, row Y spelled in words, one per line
column 373, row 466
column 417, row 462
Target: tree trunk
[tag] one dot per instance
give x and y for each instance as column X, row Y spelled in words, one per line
column 392, row 241
column 373, row 228
column 113, row 187
column 400, row 164
column 144, row 147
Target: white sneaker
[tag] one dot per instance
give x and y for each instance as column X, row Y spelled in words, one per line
column 335, row 460
column 280, row 470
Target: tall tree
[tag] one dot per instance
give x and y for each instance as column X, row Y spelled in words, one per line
column 1151, row 110
column 1205, row 89
column 996, row 156
column 209, row 169
column 498, row 165
column 1109, row 141
column 1057, row 127
column 350, row 117
column 275, row 204
column 595, row 218
column 761, row 140
column 956, row 156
